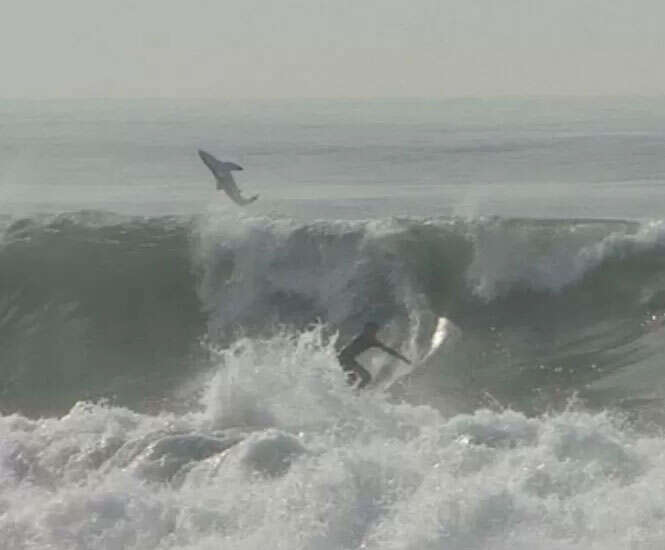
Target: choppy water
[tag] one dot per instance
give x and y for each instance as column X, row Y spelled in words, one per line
column 168, row 366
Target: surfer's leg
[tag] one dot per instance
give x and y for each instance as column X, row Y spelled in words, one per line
column 349, row 367
column 354, row 371
column 351, row 376
column 365, row 376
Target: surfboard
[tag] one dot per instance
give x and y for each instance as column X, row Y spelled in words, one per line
column 445, row 333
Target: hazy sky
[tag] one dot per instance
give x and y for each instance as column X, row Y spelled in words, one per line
column 330, row 48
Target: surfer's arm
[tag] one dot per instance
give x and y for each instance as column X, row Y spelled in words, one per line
column 393, row 352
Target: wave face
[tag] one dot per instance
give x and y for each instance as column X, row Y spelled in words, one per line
column 94, row 305
column 173, row 383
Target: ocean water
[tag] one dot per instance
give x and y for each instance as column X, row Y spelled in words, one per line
column 168, row 373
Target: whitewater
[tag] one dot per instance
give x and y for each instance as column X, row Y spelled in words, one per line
column 168, row 363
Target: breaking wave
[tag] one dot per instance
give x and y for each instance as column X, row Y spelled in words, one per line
column 97, row 305
column 173, row 383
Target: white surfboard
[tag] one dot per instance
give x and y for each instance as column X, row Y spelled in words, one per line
column 445, row 332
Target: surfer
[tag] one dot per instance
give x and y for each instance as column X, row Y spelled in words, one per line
column 365, row 340
column 222, row 172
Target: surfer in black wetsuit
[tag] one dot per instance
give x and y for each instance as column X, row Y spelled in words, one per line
column 365, row 340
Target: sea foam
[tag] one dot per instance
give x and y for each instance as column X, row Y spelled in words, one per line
column 303, row 461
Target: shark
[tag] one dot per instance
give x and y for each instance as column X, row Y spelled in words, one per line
column 222, row 172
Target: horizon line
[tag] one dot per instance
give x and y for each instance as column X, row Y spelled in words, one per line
column 342, row 98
